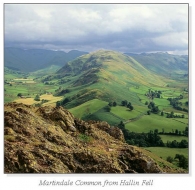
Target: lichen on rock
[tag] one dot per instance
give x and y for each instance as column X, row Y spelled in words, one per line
column 52, row 140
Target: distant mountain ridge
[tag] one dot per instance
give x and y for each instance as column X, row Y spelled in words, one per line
column 36, row 59
column 162, row 63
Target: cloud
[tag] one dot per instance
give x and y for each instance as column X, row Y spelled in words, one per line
column 122, row 27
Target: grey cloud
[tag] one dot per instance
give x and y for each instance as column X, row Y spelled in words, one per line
column 132, row 28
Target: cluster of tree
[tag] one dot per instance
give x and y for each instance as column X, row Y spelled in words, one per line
column 44, row 101
column 37, row 98
column 175, row 144
column 142, row 139
column 5, row 82
column 172, row 115
column 49, row 83
column 107, row 108
column 63, row 102
column 114, row 104
column 183, row 161
column 153, row 108
column 62, row 81
column 184, row 109
column 176, row 104
column 186, row 131
column 127, row 104
column 176, row 132
column 19, row 95
column 48, row 78
column 151, row 138
column 153, row 94
column 124, row 103
column 41, row 102
column 60, row 91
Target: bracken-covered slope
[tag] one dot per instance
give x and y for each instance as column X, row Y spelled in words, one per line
column 51, row 140
column 113, row 66
column 105, row 75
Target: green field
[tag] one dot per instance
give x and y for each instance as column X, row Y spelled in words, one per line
column 51, row 100
column 161, row 102
column 139, row 89
column 185, row 120
column 92, row 81
column 164, row 152
column 102, row 115
column 184, row 100
column 87, row 108
column 152, row 122
column 124, row 112
column 28, row 87
column 166, row 138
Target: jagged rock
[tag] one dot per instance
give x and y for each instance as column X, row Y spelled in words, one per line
column 51, row 140
column 72, row 128
column 117, row 133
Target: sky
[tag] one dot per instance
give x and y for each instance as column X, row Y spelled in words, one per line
column 126, row 28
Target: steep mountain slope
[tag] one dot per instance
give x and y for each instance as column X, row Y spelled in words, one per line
column 35, row 59
column 112, row 63
column 162, row 63
column 46, row 71
column 52, row 140
column 105, row 75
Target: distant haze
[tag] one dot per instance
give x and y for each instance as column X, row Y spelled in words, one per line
column 87, row 27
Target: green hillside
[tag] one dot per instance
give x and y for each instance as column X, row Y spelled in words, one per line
column 96, row 85
column 105, row 75
column 112, row 66
column 87, row 108
column 46, row 71
column 35, row 59
column 163, row 63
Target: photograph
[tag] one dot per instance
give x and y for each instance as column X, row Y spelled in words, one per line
column 96, row 88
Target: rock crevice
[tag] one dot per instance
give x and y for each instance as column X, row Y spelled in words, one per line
column 52, row 140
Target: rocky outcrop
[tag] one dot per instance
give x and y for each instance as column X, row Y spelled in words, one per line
column 52, row 140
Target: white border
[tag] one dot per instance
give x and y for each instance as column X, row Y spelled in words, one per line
column 168, row 181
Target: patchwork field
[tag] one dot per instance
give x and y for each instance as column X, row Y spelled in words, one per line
column 88, row 84
column 28, row 88
column 29, row 101
column 152, row 122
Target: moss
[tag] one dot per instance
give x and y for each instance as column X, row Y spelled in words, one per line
column 10, row 138
column 85, row 138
